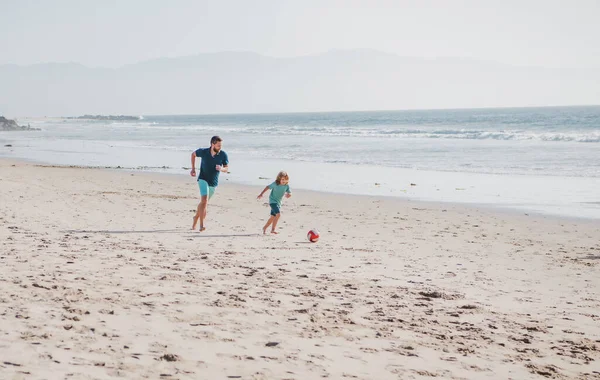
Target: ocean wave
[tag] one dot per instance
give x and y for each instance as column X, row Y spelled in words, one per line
column 536, row 134
column 584, row 137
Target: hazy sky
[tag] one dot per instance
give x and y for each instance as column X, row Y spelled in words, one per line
column 546, row 33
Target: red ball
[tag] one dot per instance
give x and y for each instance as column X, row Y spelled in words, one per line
column 313, row 236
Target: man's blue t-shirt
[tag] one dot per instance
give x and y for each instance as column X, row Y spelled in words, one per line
column 208, row 171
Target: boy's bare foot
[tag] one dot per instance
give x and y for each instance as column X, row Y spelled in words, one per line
column 274, row 232
column 195, row 222
column 202, row 229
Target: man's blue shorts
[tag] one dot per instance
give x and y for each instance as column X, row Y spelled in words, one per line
column 205, row 189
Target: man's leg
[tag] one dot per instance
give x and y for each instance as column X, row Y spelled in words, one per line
column 196, row 217
column 204, row 206
column 205, row 193
column 202, row 210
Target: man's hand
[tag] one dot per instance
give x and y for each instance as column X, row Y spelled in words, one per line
column 193, row 172
column 219, row 168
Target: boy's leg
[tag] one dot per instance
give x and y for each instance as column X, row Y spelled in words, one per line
column 275, row 220
column 268, row 224
column 274, row 212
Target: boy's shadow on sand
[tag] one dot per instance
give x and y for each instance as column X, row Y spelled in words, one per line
column 173, row 231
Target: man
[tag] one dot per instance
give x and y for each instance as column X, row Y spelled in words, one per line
column 214, row 162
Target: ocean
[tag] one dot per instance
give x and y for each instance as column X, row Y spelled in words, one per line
column 539, row 160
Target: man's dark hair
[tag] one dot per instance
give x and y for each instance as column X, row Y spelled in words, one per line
column 215, row 139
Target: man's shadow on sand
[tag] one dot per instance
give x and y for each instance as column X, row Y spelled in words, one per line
column 172, row 231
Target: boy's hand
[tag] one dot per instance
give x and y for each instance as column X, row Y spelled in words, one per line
column 287, row 195
column 259, row 197
column 193, row 172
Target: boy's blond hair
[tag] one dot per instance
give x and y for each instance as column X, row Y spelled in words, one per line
column 281, row 175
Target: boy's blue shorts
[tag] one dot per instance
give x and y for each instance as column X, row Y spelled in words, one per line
column 274, row 209
column 205, row 189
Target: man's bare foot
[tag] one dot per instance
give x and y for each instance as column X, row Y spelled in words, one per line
column 264, row 231
column 274, row 232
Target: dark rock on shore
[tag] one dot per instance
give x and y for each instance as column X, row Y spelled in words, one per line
column 11, row 125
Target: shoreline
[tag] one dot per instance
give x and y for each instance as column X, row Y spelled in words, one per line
column 469, row 179
column 494, row 209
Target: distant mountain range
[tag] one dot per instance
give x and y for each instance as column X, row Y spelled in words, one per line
column 239, row 82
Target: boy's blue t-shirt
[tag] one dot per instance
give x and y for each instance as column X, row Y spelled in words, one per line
column 208, row 171
column 277, row 192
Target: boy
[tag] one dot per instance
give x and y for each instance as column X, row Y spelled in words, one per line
column 279, row 188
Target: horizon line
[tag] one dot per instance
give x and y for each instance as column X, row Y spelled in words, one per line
column 316, row 112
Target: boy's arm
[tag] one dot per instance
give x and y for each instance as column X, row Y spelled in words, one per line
column 262, row 192
column 288, row 192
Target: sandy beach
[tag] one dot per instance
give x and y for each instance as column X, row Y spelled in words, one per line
column 102, row 277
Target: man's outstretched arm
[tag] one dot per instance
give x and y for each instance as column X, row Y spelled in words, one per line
column 193, row 172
